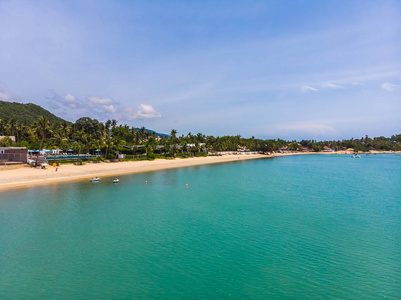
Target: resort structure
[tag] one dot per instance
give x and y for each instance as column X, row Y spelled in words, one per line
column 14, row 154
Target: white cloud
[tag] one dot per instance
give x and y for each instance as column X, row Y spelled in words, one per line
column 70, row 100
column 146, row 111
column 7, row 95
column 103, row 107
column 110, row 108
column 390, row 87
column 96, row 101
column 332, row 86
column 306, row 89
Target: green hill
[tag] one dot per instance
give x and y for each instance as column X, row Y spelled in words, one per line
column 26, row 113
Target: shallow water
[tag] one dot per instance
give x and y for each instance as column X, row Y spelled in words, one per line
column 318, row 226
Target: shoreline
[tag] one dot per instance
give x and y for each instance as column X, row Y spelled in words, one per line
column 25, row 177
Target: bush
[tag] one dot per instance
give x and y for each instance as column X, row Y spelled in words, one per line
column 126, row 151
column 79, row 162
column 200, row 154
column 6, row 142
column 152, row 156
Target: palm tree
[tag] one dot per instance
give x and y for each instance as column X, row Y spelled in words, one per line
column 143, row 133
column 97, row 144
column 82, row 137
column 13, row 125
column 200, row 137
column 59, row 139
column 3, row 126
column 107, row 125
column 21, row 129
column 42, row 128
column 109, row 144
column 173, row 136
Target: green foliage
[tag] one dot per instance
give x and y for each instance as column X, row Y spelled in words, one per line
column 26, row 113
column 152, row 156
column 6, row 142
column 84, row 136
column 23, row 144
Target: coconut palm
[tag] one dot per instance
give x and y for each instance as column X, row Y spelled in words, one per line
column 81, row 137
column 173, row 135
column 59, row 139
column 42, row 128
column 143, row 134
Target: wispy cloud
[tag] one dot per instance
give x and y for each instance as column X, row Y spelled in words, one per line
column 70, row 101
column 64, row 101
column 6, row 94
column 330, row 85
column 185, row 70
column 98, row 101
column 104, row 107
column 390, row 87
column 306, row 129
column 307, row 88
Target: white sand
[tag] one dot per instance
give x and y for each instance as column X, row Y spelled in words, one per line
column 11, row 178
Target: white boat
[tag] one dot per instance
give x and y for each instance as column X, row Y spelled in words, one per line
column 96, row 179
column 356, row 156
column 116, row 180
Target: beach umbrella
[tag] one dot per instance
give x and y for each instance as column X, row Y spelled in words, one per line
column 70, row 150
column 97, row 150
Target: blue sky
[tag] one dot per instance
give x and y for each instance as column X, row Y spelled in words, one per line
column 272, row 69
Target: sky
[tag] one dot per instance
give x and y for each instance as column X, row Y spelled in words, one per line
column 270, row 69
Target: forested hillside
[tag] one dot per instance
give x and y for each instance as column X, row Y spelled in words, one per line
column 26, row 113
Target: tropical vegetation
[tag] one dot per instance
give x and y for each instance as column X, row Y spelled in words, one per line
column 88, row 135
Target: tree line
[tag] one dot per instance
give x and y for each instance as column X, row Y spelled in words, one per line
column 87, row 135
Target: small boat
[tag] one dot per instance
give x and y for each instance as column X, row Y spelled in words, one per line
column 116, row 180
column 96, row 179
column 356, row 156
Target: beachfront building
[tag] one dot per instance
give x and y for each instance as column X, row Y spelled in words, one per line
column 283, row 150
column 328, row 149
column 13, row 154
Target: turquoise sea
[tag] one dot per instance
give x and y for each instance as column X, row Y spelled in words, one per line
column 300, row 227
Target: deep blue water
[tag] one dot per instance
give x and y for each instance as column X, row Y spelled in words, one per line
column 318, row 226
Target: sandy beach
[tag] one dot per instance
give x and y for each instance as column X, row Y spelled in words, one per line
column 25, row 176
